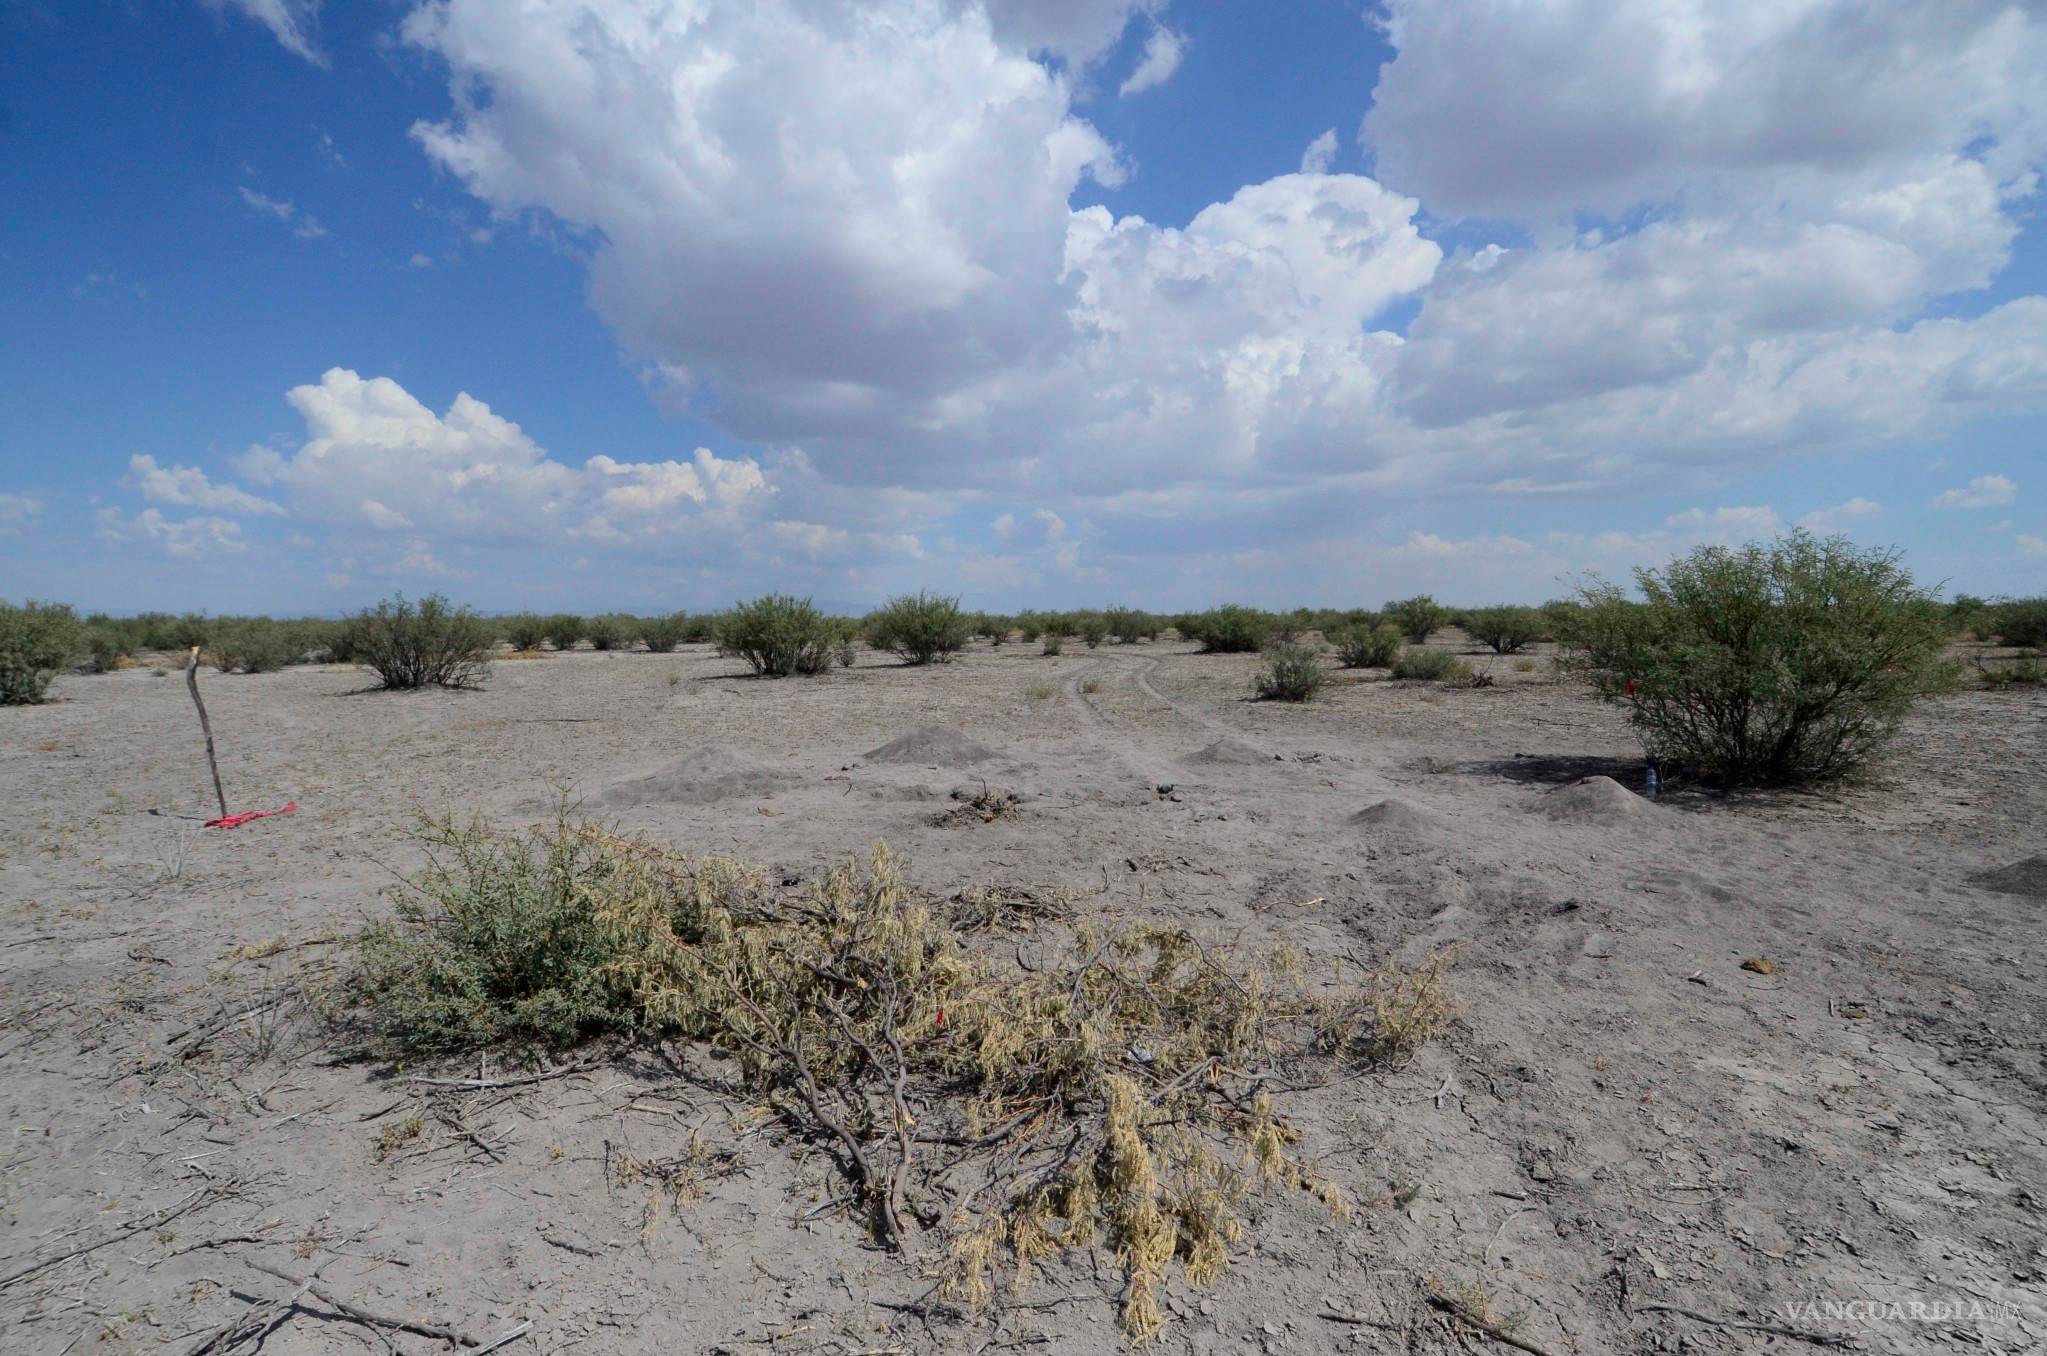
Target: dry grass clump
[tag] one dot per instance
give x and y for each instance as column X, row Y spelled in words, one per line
column 1113, row 1095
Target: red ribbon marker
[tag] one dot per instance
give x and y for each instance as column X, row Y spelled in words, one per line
column 236, row 821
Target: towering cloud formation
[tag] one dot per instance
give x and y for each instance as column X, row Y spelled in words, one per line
column 847, row 226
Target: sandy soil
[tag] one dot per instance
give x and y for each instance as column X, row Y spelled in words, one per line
column 1620, row 1118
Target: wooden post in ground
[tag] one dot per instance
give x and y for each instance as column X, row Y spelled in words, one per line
column 205, row 726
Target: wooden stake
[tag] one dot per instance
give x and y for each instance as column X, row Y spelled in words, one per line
column 206, row 726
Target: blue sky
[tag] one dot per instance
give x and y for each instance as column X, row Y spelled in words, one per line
column 647, row 306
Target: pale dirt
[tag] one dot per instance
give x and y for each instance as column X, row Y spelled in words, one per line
column 1620, row 1116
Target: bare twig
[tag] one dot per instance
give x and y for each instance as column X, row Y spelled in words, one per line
column 475, row 1084
column 1818, row 1339
column 204, row 1196
column 361, row 1315
column 1464, row 1314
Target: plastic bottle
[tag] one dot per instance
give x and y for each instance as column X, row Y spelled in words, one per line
column 1655, row 785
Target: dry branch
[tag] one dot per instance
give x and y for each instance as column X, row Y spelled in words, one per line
column 311, row 1286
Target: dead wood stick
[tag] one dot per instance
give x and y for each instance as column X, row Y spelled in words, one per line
column 509, row 1338
column 1485, row 1325
column 1818, row 1339
column 232, row 1333
column 475, row 1084
column 154, row 1220
column 361, row 1315
column 205, row 727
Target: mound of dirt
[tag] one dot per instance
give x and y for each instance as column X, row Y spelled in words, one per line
column 711, row 773
column 1397, row 816
column 931, row 746
column 2027, row 878
column 1594, row 800
column 1228, row 752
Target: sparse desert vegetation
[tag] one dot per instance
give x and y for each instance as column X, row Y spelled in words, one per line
column 37, row 641
column 430, row 643
column 1786, row 663
column 1070, row 991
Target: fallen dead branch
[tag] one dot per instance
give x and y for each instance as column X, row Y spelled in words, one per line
column 479, row 1084
column 310, row 1285
column 1818, row 1339
column 1465, row 1314
column 198, row 1200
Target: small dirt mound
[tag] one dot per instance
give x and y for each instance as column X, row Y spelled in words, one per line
column 700, row 777
column 1594, row 800
column 1228, row 752
column 2027, row 878
column 931, row 746
column 1397, row 816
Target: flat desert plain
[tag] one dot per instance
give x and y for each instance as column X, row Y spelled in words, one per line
column 1623, row 1141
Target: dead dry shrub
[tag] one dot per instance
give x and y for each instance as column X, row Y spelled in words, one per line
column 982, row 806
column 1115, row 1095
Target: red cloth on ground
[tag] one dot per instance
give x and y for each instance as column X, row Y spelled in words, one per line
column 236, row 821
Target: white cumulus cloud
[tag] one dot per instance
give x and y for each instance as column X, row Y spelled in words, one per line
column 1980, row 493
column 18, row 513
column 294, row 23
column 188, row 487
column 882, row 265
column 1321, row 153
column 1163, row 51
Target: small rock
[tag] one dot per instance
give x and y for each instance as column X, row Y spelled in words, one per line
column 1760, row 965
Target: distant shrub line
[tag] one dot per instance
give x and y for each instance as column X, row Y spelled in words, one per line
column 1786, row 662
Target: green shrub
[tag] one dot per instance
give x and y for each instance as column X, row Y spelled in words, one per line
column 308, row 640
column 2024, row 671
column 495, row 941
column 663, row 634
column 2022, row 622
column 564, row 630
column 1055, row 642
column 995, row 628
column 1417, row 663
column 1230, row 629
column 1969, row 615
column 1505, row 629
column 168, row 631
column 919, row 628
column 252, row 645
column 1418, row 617
column 105, row 644
column 778, row 636
column 612, row 631
column 1781, row 663
column 1092, row 627
column 1130, row 625
column 423, row 644
column 524, row 631
column 1292, row 673
column 1029, row 626
column 37, row 641
column 338, row 641
column 1367, row 647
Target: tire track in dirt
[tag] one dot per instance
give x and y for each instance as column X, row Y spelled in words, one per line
column 1142, row 762
column 1349, row 782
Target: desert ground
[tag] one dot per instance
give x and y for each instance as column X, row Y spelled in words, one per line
column 1624, row 1141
